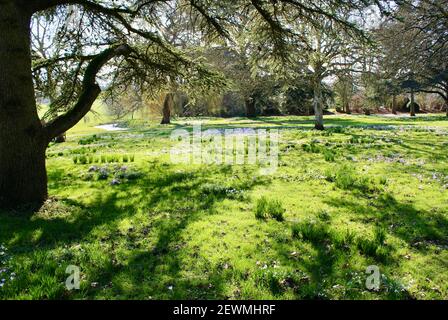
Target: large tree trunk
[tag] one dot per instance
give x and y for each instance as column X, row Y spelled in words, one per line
column 23, row 138
column 412, row 105
column 23, row 178
column 167, row 106
column 250, row 108
column 317, row 104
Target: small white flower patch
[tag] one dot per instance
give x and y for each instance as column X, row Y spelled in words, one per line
column 5, row 272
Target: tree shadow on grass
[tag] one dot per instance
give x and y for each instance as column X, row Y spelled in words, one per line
column 159, row 206
column 328, row 259
column 402, row 219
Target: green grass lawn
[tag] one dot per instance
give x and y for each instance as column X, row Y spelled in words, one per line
column 368, row 191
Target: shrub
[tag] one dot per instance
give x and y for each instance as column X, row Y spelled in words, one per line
column 311, row 148
column 338, row 129
column 382, row 180
column 330, row 175
column 367, row 247
column 311, row 231
column 344, row 240
column 329, row 156
column 275, row 210
column 324, row 215
column 354, row 140
column 320, row 233
column 82, row 159
column 260, row 208
column 367, row 184
column 88, row 140
column 380, row 236
column 266, row 208
column 375, row 248
column 345, row 177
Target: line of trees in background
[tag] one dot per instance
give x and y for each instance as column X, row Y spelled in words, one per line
column 397, row 65
column 201, row 57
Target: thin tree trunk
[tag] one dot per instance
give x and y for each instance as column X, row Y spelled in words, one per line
column 167, row 105
column 446, row 99
column 412, row 106
column 250, row 108
column 446, row 106
column 23, row 178
column 347, row 108
column 317, row 105
column 394, row 104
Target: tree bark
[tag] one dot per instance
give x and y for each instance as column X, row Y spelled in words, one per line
column 445, row 98
column 347, row 108
column 167, row 106
column 446, row 105
column 23, row 138
column 250, row 108
column 317, row 105
column 394, row 104
column 23, row 178
column 412, row 105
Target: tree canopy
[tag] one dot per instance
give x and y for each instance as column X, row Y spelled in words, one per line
column 68, row 53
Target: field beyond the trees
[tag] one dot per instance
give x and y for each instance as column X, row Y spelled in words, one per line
column 368, row 191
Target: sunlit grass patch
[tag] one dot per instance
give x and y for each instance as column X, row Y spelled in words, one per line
column 269, row 208
column 184, row 231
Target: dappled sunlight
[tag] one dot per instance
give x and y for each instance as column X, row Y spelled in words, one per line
column 151, row 229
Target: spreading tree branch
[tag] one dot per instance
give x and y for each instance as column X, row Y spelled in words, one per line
column 89, row 93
